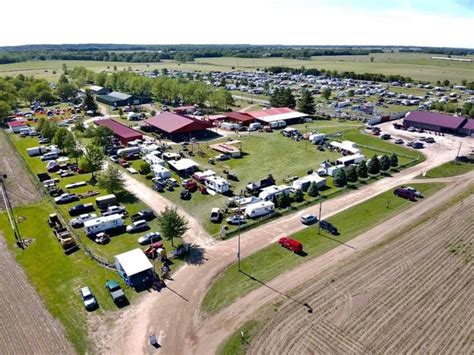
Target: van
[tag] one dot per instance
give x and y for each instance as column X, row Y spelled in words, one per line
column 291, row 244
column 49, row 156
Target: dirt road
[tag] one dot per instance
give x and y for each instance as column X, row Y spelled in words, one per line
column 411, row 295
column 174, row 314
column 25, row 325
column 19, row 184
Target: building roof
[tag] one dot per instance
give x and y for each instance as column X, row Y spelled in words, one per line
column 119, row 129
column 133, row 262
column 114, row 96
column 239, row 116
column 469, row 124
column 95, row 87
column 276, row 114
column 17, row 124
column 170, row 122
column 436, row 119
column 182, row 164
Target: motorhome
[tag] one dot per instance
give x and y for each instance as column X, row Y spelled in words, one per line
column 271, row 192
column 103, row 224
column 259, row 209
column 217, row 184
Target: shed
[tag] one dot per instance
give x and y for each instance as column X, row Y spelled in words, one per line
column 304, row 182
column 135, row 269
column 124, row 133
column 98, row 90
column 117, row 99
column 243, row 118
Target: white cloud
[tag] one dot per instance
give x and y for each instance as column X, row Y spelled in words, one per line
column 210, row 21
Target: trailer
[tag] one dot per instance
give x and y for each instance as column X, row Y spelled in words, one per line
column 104, row 224
column 63, row 235
column 102, row 202
column 259, row 209
column 255, row 187
column 351, row 159
column 35, row 151
column 217, row 184
column 270, row 193
column 127, row 151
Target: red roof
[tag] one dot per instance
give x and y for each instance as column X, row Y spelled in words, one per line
column 120, row 130
column 17, row 123
column 170, row 122
column 434, row 118
column 239, row 116
column 469, row 124
column 270, row 112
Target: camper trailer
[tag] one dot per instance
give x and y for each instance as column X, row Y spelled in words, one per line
column 102, row 202
column 103, row 224
column 259, row 209
column 271, row 192
column 35, row 151
column 128, row 151
column 217, row 184
column 160, row 172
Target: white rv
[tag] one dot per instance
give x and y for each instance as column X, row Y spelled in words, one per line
column 32, row 152
column 160, row 172
column 129, row 150
column 259, row 209
column 217, row 184
column 50, row 156
column 103, row 224
column 271, row 192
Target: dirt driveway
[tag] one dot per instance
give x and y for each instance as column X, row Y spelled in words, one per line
column 174, row 314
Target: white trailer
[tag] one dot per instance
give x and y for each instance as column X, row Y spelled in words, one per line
column 271, row 192
column 304, row 182
column 152, row 159
column 34, row 151
column 50, row 156
column 103, row 224
column 128, row 150
column 217, row 184
column 160, row 172
column 351, row 159
column 259, row 209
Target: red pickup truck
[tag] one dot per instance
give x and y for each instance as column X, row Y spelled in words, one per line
column 291, row 244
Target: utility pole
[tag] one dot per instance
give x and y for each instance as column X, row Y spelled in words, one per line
column 238, row 246
column 11, row 216
column 459, row 149
column 320, row 209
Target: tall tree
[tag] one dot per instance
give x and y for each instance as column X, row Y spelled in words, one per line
column 352, row 174
column 393, row 160
column 326, row 94
column 313, row 189
column 89, row 101
column 373, row 166
column 362, row 171
column 384, row 163
column 306, row 102
column 92, row 159
column 103, row 136
column 340, row 178
column 61, row 138
column 172, row 224
column 5, row 110
column 111, row 180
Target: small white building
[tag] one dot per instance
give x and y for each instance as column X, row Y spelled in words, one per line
column 135, row 268
column 347, row 147
column 351, row 159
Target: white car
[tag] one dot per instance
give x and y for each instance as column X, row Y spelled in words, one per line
column 308, row 219
column 88, row 298
column 79, row 221
column 66, row 198
column 236, row 219
column 149, row 238
column 115, row 210
column 137, row 226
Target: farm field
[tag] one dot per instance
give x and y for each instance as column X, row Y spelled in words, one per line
column 273, row 260
column 271, row 153
column 410, row 294
column 417, row 66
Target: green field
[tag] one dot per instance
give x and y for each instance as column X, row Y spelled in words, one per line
column 448, row 169
column 417, row 66
column 274, row 260
column 237, row 344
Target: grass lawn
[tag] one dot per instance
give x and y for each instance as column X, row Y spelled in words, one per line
column 237, row 344
column 57, row 277
column 274, row 260
column 448, row 169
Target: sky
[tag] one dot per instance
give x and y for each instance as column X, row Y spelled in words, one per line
column 438, row 23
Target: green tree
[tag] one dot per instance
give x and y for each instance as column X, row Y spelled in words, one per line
column 306, row 102
column 89, row 101
column 145, row 168
column 384, row 163
column 63, row 79
column 65, row 71
column 5, row 110
column 172, row 224
column 298, row 196
column 362, row 170
column 352, row 174
column 103, row 136
column 283, row 200
column 59, row 138
column 373, row 166
column 48, row 129
column 111, row 180
column 313, row 189
column 66, row 91
column 92, row 159
column 393, row 160
column 326, row 94
column 120, row 112
column 340, row 178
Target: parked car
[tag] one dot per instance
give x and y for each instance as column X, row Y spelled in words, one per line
column 236, row 219
column 102, row 238
column 114, row 159
column 325, row 225
column 44, row 141
column 88, row 298
column 79, row 221
column 308, row 219
column 399, row 141
column 430, row 140
column 417, row 145
column 222, row 157
column 190, row 185
column 405, row 193
column 385, row 136
column 81, row 209
column 116, row 292
column 411, row 129
column 137, row 226
column 415, row 191
column 115, row 210
column 146, row 215
column 66, row 198
column 216, row 215
column 149, row 238
column 291, row 244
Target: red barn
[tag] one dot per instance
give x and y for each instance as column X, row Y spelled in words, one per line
column 177, row 127
column 124, row 133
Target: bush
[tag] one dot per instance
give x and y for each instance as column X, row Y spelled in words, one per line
column 313, row 190
column 283, row 200
column 340, row 178
column 384, row 163
column 298, row 196
column 373, row 166
column 362, row 170
column 352, row 174
column 144, row 169
column 393, row 160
